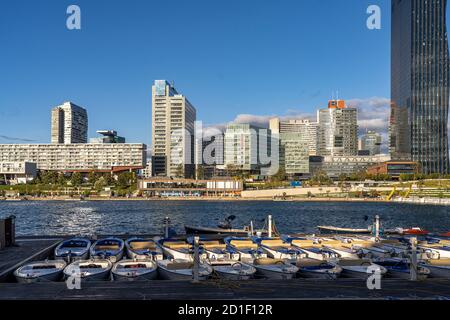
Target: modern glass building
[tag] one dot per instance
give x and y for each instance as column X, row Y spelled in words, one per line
column 420, row 84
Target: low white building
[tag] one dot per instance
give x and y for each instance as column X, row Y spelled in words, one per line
column 81, row 157
column 18, row 172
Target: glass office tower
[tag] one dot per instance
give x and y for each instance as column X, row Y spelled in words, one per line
column 420, row 84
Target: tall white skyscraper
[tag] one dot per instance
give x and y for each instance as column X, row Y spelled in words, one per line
column 69, row 124
column 307, row 131
column 338, row 130
column 173, row 120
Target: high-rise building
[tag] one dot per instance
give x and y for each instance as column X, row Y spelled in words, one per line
column 305, row 128
column 249, row 148
column 420, row 84
column 294, row 153
column 173, row 120
column 338, row 130
column 371, row 142
column 69, row 124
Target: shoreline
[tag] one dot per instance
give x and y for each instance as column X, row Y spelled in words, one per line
column 228, row 199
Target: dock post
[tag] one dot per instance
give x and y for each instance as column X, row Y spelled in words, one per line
column 166, row 227
column 413, row 266
column 377, row 228
column 251, row 228
column 196, row 259
column 269, row 225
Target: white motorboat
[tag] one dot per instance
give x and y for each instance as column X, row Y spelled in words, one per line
column 278, row 249
column 312, row 248
column 89, row 270
column 310, row 268
column 179, row 269
column 216, row 250
column 179, row 249
column 436, row 251
column 73, row 249
column 274, row 268
column 132, row 270
column 142, row 249
column 439, row 268
column 109, row 248
column 40, row 271
column 362, row 268
column 244, row 248
column 400, row 268
column 345, row 251
column 232, row 269
column 367, row 247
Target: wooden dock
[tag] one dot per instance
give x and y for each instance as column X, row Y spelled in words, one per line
column 243, row 290
column 25, row 250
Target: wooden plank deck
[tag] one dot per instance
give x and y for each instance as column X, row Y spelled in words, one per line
column 211, row 290
column 24, row 250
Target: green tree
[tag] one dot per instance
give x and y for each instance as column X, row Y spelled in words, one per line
column 76, row 179
column 62, row 180
column 123, row 179
column 100, row 184
column 92, row 177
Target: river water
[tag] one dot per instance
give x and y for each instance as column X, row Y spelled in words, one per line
column 146, row 217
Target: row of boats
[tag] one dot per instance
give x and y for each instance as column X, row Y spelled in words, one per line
column 239, row 258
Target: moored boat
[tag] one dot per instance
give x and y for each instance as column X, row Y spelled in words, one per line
column 40, row 271
column 232, row 270
column 89, row 270
column 313, row 248
column 73, row 249
column 362, row 268
column 439, row 268
column 215, row 249
column 132, row 270
column 142, row 249
column 109, row 248
column 179, row 249
column 179, row 269
column 310, row 268
column 274, row 268
column 400, row 268
column 245, row 249
column 278, row 249
column 331, row 229
column 436, row 251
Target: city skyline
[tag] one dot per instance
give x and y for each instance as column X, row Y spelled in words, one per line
column 298, row 77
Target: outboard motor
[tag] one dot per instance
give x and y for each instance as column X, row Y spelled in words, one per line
column 226, row 223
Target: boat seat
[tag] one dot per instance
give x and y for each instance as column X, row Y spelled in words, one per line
column 111, row 247
column 267, row 261
column 211, row 243
column 269, row 243
column 439, row 262
column 180, row 266
column 142, row 245
column 177, row 246
column 213, row 246
column 244, row 244
column 305, row 243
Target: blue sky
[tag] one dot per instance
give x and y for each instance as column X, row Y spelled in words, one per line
column 233, row 59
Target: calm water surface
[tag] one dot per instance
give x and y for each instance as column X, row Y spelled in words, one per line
column 118, row 217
